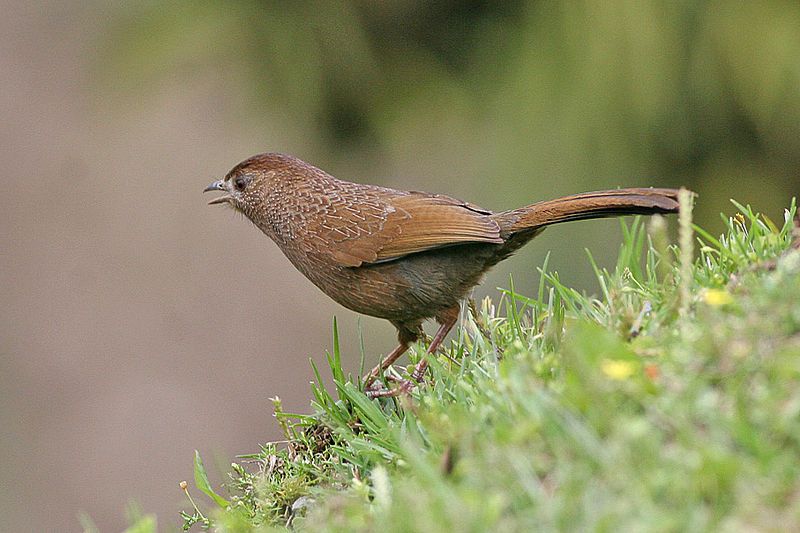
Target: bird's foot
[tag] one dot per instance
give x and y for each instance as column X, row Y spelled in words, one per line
column 418, row 375
column 405, row 387
column 373, row 382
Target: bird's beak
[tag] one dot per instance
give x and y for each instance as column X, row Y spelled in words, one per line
column 218, row 185
column 215, row 186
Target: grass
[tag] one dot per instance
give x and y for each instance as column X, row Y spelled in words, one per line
column 670, row 402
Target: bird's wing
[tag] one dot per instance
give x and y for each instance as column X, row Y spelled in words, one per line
column 392, row 224
column 432, row 221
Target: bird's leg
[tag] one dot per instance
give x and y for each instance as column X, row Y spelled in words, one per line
column 406, row 334
column 446, row 319
column 385, row 363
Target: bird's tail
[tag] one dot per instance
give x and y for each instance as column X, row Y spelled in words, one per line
column 599, row 204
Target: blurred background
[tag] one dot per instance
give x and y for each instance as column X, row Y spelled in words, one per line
column 138, row 324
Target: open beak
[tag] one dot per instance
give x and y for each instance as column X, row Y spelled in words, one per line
column 218, row 185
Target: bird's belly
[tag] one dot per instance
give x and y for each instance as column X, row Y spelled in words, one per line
column 413, row 287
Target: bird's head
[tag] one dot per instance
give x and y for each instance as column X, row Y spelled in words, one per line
column 248, row 184
column 241, row 186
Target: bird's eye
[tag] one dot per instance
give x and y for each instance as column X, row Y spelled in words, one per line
column 240, row 183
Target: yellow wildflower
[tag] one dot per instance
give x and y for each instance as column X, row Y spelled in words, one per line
column 617, row 368
column 717, row 297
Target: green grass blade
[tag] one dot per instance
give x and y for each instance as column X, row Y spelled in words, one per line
column 202, row 483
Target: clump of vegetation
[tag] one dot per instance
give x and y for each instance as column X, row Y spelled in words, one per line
column 670, row 402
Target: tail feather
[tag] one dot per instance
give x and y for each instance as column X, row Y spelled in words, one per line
column 599, row 204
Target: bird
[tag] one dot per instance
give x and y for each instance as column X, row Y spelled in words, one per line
column 403, row 256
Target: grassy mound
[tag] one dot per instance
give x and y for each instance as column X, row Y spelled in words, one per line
column 669, row 403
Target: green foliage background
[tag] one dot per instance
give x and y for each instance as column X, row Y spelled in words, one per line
column 536, row 97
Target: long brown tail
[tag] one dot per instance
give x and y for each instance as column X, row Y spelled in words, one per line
column 599, row 204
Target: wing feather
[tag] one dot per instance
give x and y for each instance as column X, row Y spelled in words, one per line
column 364, row 225
column 434, row 221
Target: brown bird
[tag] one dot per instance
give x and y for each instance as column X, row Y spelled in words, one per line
column 405, row 256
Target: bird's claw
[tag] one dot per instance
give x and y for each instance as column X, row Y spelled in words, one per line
column 405, row 387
